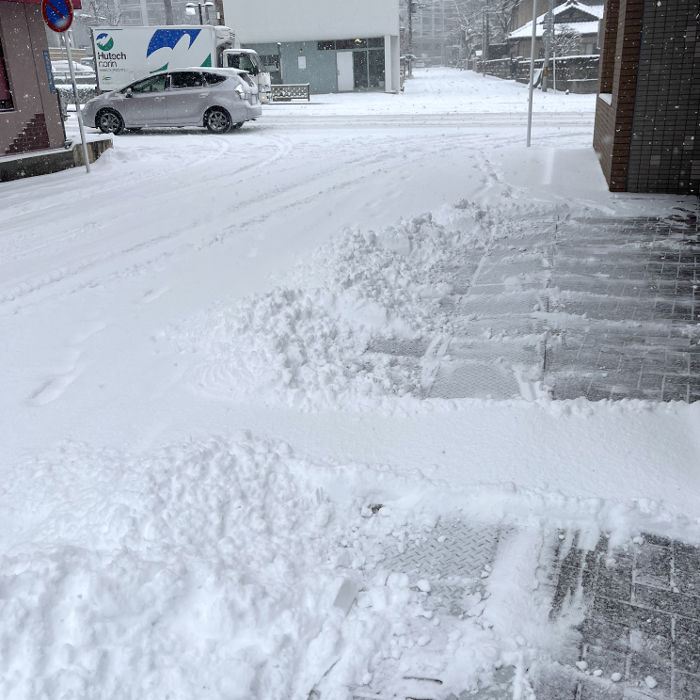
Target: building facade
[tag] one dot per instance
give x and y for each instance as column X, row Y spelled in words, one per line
column 575, row 29
column 30, row 117
column 647, row 127
column 334, row 46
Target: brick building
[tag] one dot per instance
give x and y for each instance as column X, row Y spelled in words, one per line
column 647, row 127
column 30, row 117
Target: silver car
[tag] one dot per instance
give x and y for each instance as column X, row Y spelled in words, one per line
column 218, row 98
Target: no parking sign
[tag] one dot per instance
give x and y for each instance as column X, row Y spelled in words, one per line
column 58, row 14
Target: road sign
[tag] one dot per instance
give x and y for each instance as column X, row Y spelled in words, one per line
column 58, row 14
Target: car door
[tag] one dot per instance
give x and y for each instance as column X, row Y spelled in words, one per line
column 187, row 98
column 144, row 102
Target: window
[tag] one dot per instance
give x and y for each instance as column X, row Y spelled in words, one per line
column 376, row 43
column 326, row 45
column 5, row 92
column 214, row 78
column 186, row 80
column 271, row 63
column 154, row 84
column 243, row 61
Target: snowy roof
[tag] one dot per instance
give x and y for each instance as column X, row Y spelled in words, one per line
column 595, row 12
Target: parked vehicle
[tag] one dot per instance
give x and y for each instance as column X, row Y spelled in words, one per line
column 219, row 99
column 126, row 54
column 83, row 73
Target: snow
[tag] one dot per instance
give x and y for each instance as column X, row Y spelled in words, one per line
column 587, row 27
column 203, row 470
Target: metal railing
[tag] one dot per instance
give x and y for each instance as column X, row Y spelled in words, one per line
column 284, row 93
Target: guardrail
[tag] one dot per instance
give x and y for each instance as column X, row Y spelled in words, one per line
column 284, row 93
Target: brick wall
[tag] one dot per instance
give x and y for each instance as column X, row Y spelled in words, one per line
column 33, row 136
column 648, row 137
column 603, row 136
column 618, row 77
column 23, row 35
column 665, row 146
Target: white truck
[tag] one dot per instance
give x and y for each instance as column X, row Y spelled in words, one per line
column 126, row 54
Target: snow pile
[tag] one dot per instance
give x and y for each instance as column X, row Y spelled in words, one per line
column 361, row 331
column 185, row 582
column 225, row 569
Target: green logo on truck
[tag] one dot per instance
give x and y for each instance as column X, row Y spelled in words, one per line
column 104, row 42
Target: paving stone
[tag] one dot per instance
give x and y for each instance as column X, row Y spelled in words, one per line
column 619, row 273
column 687, row 581
column 653, row 565
column 657, row 634
column 657, row 540
column 650, row 622
column 612, row 636
column 556, row 682
column 654, row 646
column 615, row 583
column 642, row 666
column 606, row 660
column 667, row 601
column 687, row 645
column 602, row 689
column 685, row 686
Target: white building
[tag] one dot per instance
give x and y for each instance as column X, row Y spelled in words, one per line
column 334, row 45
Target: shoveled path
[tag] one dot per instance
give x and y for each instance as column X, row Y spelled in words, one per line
column 625, row 299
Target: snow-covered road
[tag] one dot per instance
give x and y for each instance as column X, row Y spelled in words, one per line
column 175, row 221
column 193, row 437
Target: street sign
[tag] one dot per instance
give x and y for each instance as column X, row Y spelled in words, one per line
column 58, row 14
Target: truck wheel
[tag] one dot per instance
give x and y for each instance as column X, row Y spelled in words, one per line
column 109, row 122
column 217, row 120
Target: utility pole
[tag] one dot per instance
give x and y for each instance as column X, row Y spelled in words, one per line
column 410, row 39
column 484, row 38
column 548, row 32
column 533, row 42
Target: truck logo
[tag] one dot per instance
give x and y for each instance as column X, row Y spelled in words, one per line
column 168, row 39
column 104, row 41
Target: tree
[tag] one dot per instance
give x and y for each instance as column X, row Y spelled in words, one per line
column 565, row 41
column 107, row 12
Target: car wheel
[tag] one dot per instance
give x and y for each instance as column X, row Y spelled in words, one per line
column 109, row 122
column 217, row 120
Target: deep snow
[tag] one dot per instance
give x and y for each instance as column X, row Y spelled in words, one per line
column 195, row 440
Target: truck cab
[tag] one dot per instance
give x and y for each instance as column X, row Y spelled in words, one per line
column 249, row 61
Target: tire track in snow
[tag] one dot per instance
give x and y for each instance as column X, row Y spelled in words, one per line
column 380, row 162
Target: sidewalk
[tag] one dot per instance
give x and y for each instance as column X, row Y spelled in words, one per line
column 640, row 635
column 601, row 308
column 628, row 296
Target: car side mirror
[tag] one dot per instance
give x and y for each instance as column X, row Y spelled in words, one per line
column 128, row 93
